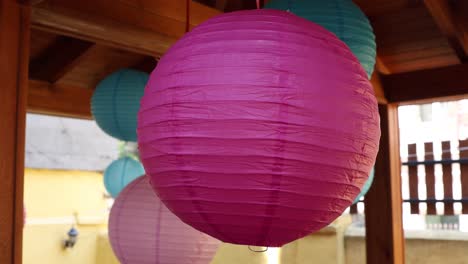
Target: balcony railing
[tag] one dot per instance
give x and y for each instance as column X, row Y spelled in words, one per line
column 421, row 179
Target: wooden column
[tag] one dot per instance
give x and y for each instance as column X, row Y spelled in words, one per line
column 383, row 206
column 14, row 56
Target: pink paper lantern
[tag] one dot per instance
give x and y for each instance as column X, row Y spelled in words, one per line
column 143, row 231
column 258, row 127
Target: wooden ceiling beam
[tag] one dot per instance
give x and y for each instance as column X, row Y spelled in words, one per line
column 59, row 100
column 381, row 66
column 232, row 5
column 58, row 59
column 451, row 25
column 378, row 88
column 146, row 65
column 100, row 30
column 221, row 4
column 448, row 83
column 375, row 8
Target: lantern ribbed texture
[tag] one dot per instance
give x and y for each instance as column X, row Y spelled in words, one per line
column 343, row 18
column 120, row 173
column 143, row 231
column 115, row 103
column 258, row 127
column 366, row 186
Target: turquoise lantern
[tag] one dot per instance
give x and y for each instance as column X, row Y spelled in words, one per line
column 342, row 17
column 116, row 101
column 120, row 173
column 366, row 186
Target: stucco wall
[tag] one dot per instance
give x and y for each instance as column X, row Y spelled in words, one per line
column 52, row 200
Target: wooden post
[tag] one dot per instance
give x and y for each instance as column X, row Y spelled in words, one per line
column 14, row 56
column 383, row 206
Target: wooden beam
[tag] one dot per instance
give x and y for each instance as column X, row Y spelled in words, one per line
column 221, row 4
column 59, row 100
column 381, row 67
column 14, row 58
column 29, row 2
column 235, row 5
column 374, row 8
column 104, row 31
column 58, row 59
column 378, row 88
column 446, row 83
column 383, row 206
column 161, row 16
column 451, row 25
column 146, row 65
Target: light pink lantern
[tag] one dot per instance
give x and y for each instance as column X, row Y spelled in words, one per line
column 143, row 231
column 258, row 127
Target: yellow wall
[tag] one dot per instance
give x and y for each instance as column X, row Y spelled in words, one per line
column 234, row 254
column 52, row 197
column 105, row 255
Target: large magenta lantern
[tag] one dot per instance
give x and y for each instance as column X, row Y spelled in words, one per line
column 143, row 230
column 258, row 127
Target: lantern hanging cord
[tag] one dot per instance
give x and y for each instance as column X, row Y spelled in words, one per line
column 187, row 17
column 258, row 251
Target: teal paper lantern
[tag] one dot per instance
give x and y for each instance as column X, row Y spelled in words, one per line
column 342, row 17
column 116, row 101
column 120, row 173
column 366, row 186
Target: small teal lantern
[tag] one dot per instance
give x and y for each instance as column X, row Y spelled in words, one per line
column 116, row 101
column 120, row 173
column 366, row 186
column 342, row 17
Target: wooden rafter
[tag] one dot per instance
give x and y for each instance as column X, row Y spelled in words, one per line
column 59, row 100
column 381, row 67
column 101, row 30
column 65, row 100
column 146, row 65
column 58, row 59
column 233, row 5
column 378, row 88
column 451, row 25
column 221, row 4
column 378, row 7
column 434, row 84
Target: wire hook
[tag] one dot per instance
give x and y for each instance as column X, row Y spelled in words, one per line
column 257, row 251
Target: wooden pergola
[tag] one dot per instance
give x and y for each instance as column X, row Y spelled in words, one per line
column 53, row 53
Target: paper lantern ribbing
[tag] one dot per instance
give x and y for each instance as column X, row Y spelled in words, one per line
column 115, row 103
column 143, row 231
column 366, row 186
column 343, row 18
column 120, row 173
column 258, row 127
